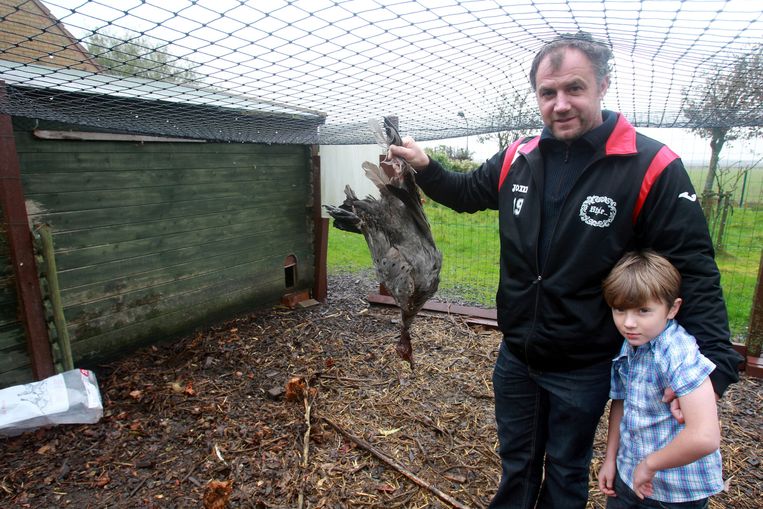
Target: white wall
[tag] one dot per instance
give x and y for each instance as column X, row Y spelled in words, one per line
column 341, row 165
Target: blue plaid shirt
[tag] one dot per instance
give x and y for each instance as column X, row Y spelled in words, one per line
column 640, row 376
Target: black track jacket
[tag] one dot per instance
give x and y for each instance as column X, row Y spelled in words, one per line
column 635, row 193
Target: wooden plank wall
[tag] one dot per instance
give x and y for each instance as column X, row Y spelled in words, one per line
column 153, row 239
column 15, row 367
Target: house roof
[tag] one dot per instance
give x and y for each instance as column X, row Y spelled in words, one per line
column 31, row 33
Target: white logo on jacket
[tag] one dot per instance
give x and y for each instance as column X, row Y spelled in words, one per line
column 690, row 197
column 598, row 211
column 518, row 188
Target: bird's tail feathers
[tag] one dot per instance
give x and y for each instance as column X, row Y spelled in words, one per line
column 344, row 218
column 376, row 174
column 384, row 131
column 351, row 196
column 377, row 128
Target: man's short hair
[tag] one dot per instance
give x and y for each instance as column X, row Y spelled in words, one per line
column 640, row 276
column 597, row 52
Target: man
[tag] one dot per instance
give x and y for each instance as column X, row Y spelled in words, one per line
column 571, row 202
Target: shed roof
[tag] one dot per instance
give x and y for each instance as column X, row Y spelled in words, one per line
column 145, row 106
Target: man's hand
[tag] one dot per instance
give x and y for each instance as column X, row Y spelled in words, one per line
column 675, row 406
column 411, row 152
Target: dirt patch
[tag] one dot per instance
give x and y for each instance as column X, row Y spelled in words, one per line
column 206, row 420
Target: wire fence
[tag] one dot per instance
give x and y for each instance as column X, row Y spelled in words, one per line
column 306, row 71
column 313, row 71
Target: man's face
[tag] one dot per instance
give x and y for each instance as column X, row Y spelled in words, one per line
column 569, row 98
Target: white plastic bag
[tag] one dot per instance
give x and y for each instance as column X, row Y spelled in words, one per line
column 71, row 397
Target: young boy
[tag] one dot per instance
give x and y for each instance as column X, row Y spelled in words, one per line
column 652, row 460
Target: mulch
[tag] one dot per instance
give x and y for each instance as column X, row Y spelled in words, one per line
column 308, row 408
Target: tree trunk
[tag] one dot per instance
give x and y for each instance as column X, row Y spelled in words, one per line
column 504, row 139
column 716, row 145
column 725, row 203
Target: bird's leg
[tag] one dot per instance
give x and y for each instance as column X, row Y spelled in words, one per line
column 403, row 347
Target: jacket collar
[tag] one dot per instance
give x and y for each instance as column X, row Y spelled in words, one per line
column 616, row 133
column 622, row 140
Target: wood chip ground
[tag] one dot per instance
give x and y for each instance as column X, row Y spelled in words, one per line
column 211, row 420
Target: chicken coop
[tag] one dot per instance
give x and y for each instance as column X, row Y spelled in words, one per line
column 138, row 235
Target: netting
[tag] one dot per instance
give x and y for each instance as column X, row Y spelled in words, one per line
column 312, row 71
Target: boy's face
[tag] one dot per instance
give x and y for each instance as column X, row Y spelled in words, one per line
column 642, row 324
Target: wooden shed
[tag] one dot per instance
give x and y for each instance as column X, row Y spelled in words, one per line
column 152, row 235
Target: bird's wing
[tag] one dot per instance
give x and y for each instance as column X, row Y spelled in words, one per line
column 412, row 201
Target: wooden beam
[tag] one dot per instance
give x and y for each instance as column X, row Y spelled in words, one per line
column 44, row 134
column 487, row 315
column 755, row 337
column 31, row 311
column 320, row 232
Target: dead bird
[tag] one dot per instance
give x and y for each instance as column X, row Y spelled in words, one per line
column 397, row 232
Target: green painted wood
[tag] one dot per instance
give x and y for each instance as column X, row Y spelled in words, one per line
column 186, row 270
column 9, row 319
column 96, row 234
column 124, row 217
column 13, row 358
column 17, row 375
column 88, row 199
column 192, row 299
column 232, row 237
column 125, row 179
column 153, row 239
column 114, row 343
column 7, row 294
column 12, row 336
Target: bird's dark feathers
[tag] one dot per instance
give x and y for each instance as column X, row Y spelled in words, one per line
column 397, row 232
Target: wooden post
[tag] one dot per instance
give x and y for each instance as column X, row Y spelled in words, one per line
column 31, row 311
column 755, row 338
column 320, row 232
column 54, row 294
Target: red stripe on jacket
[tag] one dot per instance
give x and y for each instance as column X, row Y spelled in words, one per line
column 511, row 154
column 661, row 161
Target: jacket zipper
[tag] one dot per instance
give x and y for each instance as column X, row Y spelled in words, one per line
column 529, row 334
column 541, row 266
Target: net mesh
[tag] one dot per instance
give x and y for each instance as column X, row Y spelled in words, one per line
column 312, row 71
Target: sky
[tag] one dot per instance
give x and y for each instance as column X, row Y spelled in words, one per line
column 693, row 150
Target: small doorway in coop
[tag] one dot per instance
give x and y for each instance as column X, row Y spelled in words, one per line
column 290, row 271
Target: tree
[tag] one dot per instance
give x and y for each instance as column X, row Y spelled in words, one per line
column 515, row 116
column 452, row 159
column 727, row 181
column 725, row 108
column 140, row 56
